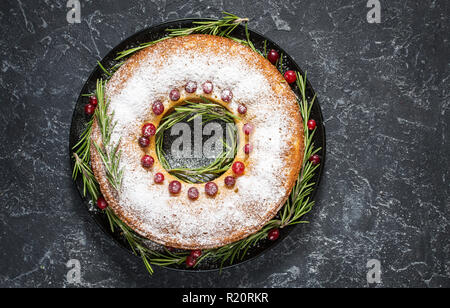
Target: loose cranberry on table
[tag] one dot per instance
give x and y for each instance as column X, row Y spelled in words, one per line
column 238, row 168
column 312, row 124
column 158, row 108
column 159, row 178
column 101, row 203
column 315, row 159
column 208, row 87
column 193, row 193
column 230, row 181
column 89, row 109
column 93, row 100
column 148, row 130
column 211, row 189
column 290, row 77
column 242, row 109
column 174, row 187
column 248, row 148
column 248, row 129
column 273, row 56
column 147, row 161
column 196, row 254
column 190, row 261
column 227, row 95
column 273, row 234
column 191, row 87
column 144, row 142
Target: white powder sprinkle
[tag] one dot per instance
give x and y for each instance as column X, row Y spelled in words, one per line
column 204, row 222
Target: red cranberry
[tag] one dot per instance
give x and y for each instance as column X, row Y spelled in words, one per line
column 174, row 95
column 191, row 87
column 230, row 181
column 242, row 109
column 273, row 234
column 158, row 107
column 273, row 56
column 290, row 76
column 312, row 124
column 190, row 261
column 144, row 142
column 93, row 100
column 315, row 159
column 196, row 254
column 147, row 161
column 248, row 148
column 211, row 189
column 148, row 130
column 174, row 187
column 159, row 178
column 208, row 87
column 238, row 168
column 227, row 96
column 248, row 129
column 89, row 109
column 101, row 203
column 193, row 193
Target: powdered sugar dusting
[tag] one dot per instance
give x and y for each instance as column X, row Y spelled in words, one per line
column 205, row 222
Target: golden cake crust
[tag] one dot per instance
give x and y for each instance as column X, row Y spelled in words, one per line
column 234, row 214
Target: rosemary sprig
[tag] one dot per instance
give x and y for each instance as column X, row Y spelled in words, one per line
column 249, row 42
column 209, row 112
column 222, row 27
column 109, row 74
column 89, row 182
column 265, row 49
column 109, row 153
column 83, row 147
column 131, row 51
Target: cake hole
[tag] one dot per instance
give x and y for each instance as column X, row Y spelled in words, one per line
column 197, row 140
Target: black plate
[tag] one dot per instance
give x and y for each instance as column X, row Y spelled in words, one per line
column 79, row 121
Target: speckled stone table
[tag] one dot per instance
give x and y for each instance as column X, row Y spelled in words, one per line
column 385, row 93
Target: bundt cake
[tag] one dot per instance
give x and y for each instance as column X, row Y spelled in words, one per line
column 238, row 203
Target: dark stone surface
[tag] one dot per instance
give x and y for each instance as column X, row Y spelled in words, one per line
column 384, row 91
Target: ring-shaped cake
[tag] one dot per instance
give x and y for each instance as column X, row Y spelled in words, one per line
column 147, row 87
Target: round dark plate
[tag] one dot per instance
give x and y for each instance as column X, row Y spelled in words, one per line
column 79, row 121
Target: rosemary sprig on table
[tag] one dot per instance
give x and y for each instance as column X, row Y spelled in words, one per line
column 208, row 111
